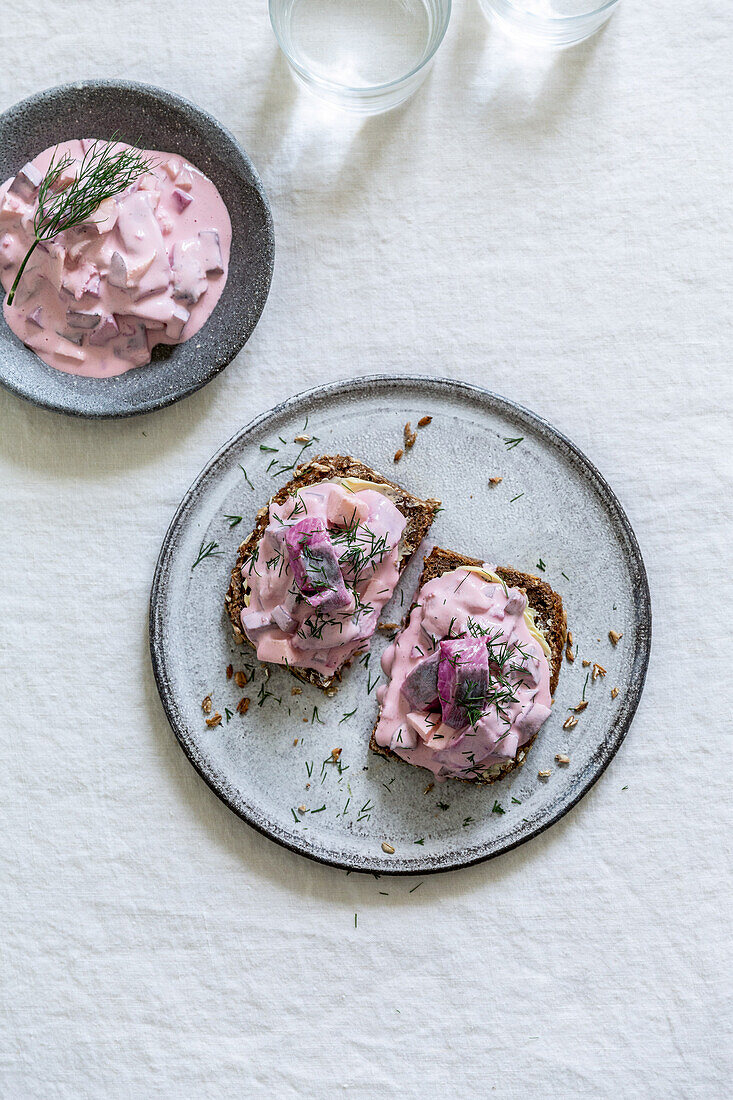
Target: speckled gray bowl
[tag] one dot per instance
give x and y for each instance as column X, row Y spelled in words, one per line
column 552, row 513
column 155, row 119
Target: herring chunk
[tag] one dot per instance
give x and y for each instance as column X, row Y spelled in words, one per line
column 177, row 323
column 284, row 620
column 189, row 281
column 315, row 566
column 104, row 332
column 211, row 260
column 133, row 344
column 184, row 178
column 83, row 319
column 104, row 218
column 420, row 687
column 72, row 337
column 181, row 199
column 27, row 182
column 463, row 680
column 117, row 271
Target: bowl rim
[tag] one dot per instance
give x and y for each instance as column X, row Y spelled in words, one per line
column 72, row 405
column 555, row 21
column 363, row 90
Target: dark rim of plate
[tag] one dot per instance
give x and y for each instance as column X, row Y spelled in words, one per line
column 604, row 753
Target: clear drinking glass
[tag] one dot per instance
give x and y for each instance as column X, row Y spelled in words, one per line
column 365, row 56
column 553, row 23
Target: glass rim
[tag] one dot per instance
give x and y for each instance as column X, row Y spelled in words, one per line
column 363, row 89
column 556, row 20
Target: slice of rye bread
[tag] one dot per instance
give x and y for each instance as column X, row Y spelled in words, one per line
column 550, row 618
column 418, row 513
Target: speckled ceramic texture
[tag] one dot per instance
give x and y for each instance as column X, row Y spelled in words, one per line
column 566, row 516
column 154, row 119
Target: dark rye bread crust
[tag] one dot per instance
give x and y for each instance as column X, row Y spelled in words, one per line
column 418, row 513
column 550, row 617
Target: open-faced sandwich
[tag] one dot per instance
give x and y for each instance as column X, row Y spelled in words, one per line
column 471, row 674
column 324, row 558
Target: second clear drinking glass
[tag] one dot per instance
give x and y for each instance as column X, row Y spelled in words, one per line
column 365, row 56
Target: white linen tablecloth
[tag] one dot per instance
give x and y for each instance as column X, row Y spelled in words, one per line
column 558, row 230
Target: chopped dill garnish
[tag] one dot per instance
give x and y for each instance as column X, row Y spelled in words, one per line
column 272, row 450
column 585, row 685
column 233, row 520
column 420, row 841
column 347, row 715
column 510, row 443
column 264, row 695
column 246, row 476
column 567, row 578
column 541, row 565
column 207, row 550
column 315, row 717
column 416, row 888
column 320, row 808
column 516, row 497
column 497, row 808
column 516, row 801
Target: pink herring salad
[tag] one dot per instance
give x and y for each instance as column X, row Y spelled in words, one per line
column 146, row 268
column 326, row 564
column 469, row 680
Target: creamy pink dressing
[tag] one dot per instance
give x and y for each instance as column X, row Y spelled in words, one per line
column 147, row 268
column 461, row 603
column 365, row 528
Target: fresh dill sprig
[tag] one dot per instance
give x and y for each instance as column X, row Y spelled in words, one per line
column 510, row 443
column 104, row 171
column 233, row 520
column 207, row 550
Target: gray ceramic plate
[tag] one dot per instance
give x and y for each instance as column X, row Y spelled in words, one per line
column 155, row 119
column 552, row 506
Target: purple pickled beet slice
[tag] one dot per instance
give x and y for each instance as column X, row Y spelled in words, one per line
column 463, row 680
column 315, row 566
column 27, row 182
column 420, row 688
